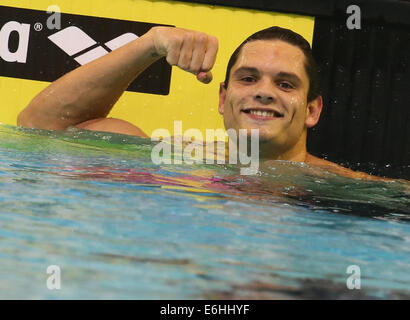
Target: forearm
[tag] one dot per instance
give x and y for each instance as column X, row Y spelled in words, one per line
column 90, row 91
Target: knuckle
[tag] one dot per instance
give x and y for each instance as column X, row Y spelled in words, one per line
column 207, row 65
column 183, row 65
column 202, row 38
column 206, row 68
column 195, row 69
column 171, row 61
column 189, row 37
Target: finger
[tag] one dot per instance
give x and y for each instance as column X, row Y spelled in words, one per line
column 198, row 54
column 210, row 55
column 174, row 50
column 205, row 77
column 185, row 55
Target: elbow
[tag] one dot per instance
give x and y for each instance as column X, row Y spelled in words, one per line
column 27, row 119
column 23, row 120
column 32, row 117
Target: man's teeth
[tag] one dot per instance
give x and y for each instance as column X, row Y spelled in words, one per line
column 262, row 113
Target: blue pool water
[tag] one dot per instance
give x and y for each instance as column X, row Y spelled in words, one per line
column 120, row 227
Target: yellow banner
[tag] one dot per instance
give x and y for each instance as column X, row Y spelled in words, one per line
column 190, row 101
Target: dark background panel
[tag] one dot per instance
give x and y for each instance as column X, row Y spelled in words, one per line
column 365, row 77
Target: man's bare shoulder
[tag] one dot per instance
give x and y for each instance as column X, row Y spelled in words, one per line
column 338, row 169
column 112, row 125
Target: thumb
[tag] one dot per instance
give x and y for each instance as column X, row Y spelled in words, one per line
column 205, row 77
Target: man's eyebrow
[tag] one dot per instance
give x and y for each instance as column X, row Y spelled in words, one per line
column 282, row 74
column 246, row 70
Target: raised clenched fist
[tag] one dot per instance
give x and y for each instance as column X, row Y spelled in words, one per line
column 191, row 51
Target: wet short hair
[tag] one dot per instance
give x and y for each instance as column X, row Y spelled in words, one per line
column 293, row 38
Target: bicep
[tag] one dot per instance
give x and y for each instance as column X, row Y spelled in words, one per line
column 112, row 125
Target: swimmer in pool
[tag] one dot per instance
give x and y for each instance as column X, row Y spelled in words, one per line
column 271, row 85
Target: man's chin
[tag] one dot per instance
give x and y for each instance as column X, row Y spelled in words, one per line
column 265, row 140
column 265, row 135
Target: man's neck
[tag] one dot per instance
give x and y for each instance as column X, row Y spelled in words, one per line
column 297, row 153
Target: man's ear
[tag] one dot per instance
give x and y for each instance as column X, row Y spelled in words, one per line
column 222, row 95
column 313, row 111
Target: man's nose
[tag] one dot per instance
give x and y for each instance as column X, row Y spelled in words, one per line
column 264, row 98
column 265, row 93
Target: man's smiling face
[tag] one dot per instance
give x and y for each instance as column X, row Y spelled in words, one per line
column 268, row 90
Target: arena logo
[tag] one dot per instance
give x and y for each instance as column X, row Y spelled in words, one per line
column 33, row 47
column 23, row 30
column 73, row 40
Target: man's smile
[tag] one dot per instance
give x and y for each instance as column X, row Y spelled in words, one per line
column 262, row 113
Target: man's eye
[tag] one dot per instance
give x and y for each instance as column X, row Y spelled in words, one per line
column 285, row 85
column 248, row 79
